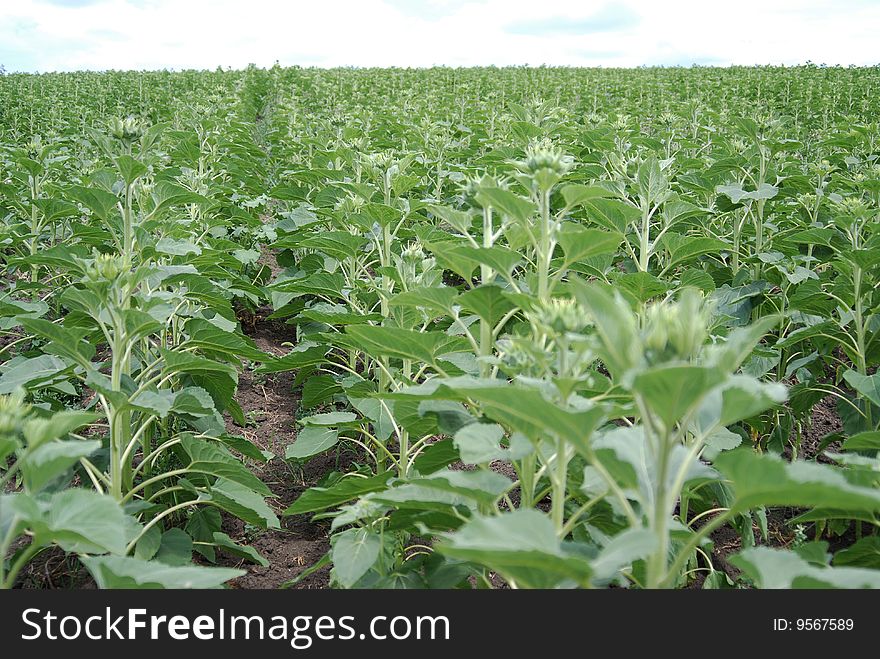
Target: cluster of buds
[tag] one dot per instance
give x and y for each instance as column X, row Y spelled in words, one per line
column 853, row 207
column 13, row 412
column 544, row 164
column 416, row 268
column 34, row 147
column 104, row 268
column 558, row 317
column 127, row 130
column 350, row 204
column 676, row 331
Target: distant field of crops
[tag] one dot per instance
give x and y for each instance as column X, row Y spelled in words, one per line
column 443, row 328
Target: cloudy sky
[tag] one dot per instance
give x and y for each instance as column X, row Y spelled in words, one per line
column 60, row 35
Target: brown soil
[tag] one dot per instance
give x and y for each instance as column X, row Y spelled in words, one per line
column 270, row 405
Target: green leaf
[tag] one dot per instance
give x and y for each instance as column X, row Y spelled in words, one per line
column 480, row 442
column 653, row 183
column 623, row 549
column 776, row 568
column 177, row 247
column 436, row 456
column 301, row 356
column 614, row 324
column 32, row 373
column 867, row 385
column 311, row 441
column 865, row 553
column 175, row 548
column 82, row 521
column 487, row 301
column 612, row 214
column 130, row 169
column 576, row 194
column 132, row 573
column 671, row 391
column 863, row 441
column 321, row 498
column 329, row 419
column 689, row 248
column 579, row 243
column 100, row 202
column 59, row 425
column 766, row 480
column 244, row 503
column 52, row 459
column 207, row 457
column 319, row 389
column 521, row 546
column 211, row 338
column 437, row 299
column 354, row 552
column 508, row 203
column 241, row 551
column 424, row 347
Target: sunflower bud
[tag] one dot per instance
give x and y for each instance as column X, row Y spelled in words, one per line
column 676, row 331
column 13, row 411
column 127, row 130
column 545, row 165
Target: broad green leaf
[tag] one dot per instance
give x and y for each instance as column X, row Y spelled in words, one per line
column 329, row 419
column 321, row 498
column 691, row 247
column 241, row 551
column 32, row 373
column 132, row 573
column 521, row 546
column 487, row 301
column 81, row 521
column 777, row 568
column 436, row 456
column 579, row 243
column 210, row 458
column 301, row 356
column 867, row 385
column 130, row 169
column 52, row 459
column 244, row 503
column 38, row 431
column 319, row 389
column 211, row 338
column 177, row 247
column 766, row 480
column 437, row 299
column 623, row 549
column 671, row 391
column 311, row 441
column 423, row 347
column 864, row 552
column 175, row 548
column 653, row 183
column 614, row 324
column 507, row 203
column 354, row 552
column 576, row 194
column 863, row 441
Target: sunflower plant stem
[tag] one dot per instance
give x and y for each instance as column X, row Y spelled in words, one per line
column 544, row 249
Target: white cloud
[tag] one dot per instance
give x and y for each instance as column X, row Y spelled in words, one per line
column 118, row 34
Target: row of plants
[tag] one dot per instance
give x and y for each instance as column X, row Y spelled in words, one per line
column 569, row 347
column 566, row 324
column 128, row 248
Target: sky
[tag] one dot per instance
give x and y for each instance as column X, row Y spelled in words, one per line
column 65, row 35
